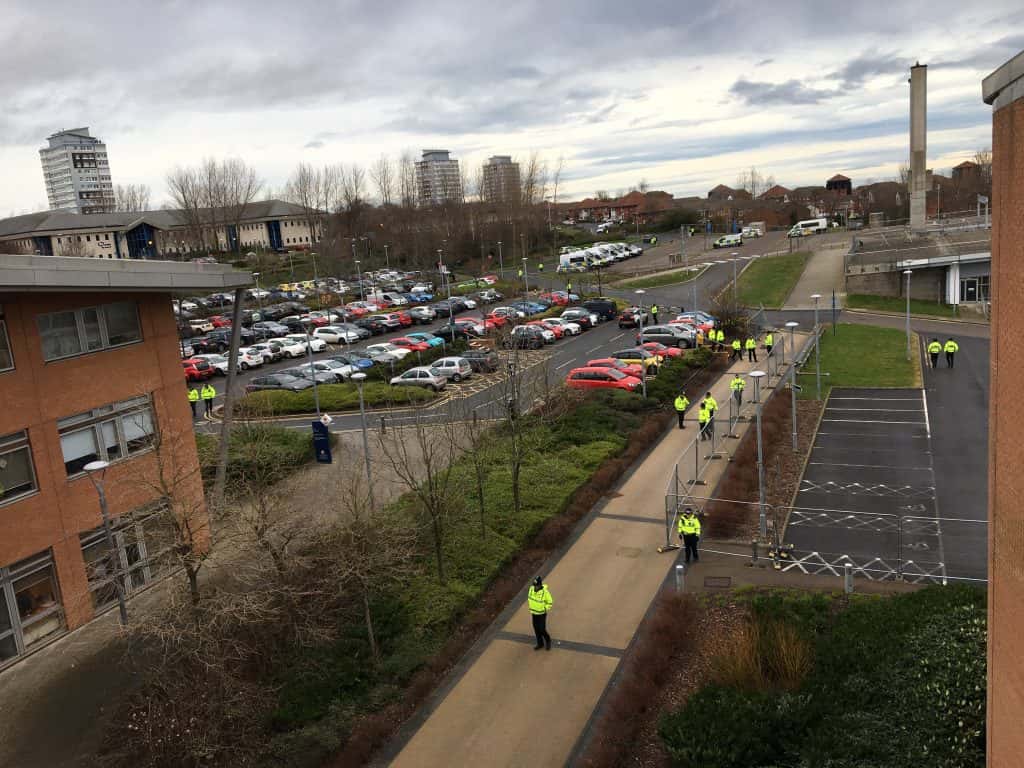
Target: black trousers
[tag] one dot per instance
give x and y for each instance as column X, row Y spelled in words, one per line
column 949, row 359
column 736, row 354
column 935, row 359
column 738, row 396
column 193, row 404
column 540, row 629
column 681, row 414
column 690, row 545
column 752, row 355
column 768, row 350
column 209, row 406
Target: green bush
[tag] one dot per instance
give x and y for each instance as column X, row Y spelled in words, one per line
column 333, row 397
column 260, row 453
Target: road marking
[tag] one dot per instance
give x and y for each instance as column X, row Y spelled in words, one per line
column 613, row 338
column 867, row 466
column 877, row 399
column 872, row 421
column 560, row 367
column 878, row 410
column 562, row 645
column 927, row 423
column 592, row 349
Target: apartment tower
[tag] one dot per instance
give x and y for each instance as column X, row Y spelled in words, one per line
column 77, row 173
column 501, row 180
column 437, row 178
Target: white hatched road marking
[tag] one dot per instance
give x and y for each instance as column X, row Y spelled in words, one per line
column 871, row 421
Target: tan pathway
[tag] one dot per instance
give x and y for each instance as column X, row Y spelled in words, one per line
column 823, row 274
column 512, row 706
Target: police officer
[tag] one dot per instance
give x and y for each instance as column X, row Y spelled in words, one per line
column 682, row 403
column 751, row 349
column 712, row 406
column 769, row 342
column 208, row 394
column 736, row 385
column 950, row 348
column 193, row 398
column 702, row 419
column 737, row 350
column 689, row 532
column 654, row 314
column 933, row 351
column 719, row 339
column 568, row 287
column 540, row 602
column 540, row 266
column 519, row 272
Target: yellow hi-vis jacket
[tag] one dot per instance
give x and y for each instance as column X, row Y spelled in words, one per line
column 737, row 384
column 719, row 335
column 711, row 404
column 689, row 524
column 751, row 344
column 209, row 392
column 193, row 395
column 540, row 599
column 768, row 340
column 736, row 344
column 703, row 414
column 934, row 348
column 682, row 403
column 950, row 346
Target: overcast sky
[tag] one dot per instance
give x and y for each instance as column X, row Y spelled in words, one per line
column 682, row 94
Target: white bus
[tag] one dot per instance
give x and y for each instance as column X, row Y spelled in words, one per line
column 809, row 227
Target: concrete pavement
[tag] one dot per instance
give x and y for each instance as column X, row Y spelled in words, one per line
column 823, row 274
column 507, row 705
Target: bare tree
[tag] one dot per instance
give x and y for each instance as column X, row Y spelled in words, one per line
column 983, row 157
column 754, row 182
column 131, row 198
column 383, row 174
column 407, row 180
column 602, row 194
column 187, row 195
column 903, row 174
column 353, row 183
column 239, row 187
column 305, row 189
column 73, row 246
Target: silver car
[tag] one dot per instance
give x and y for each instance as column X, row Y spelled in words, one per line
column 421, row 376
column 454, row 368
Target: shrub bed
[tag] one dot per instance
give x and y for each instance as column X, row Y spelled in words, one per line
column 271, row 451
column 333, row 397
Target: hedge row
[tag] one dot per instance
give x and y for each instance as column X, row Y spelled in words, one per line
column 333, row 397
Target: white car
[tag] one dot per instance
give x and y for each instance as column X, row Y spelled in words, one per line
column 264, row 350
column 334, row 335
column 249, row 357
column 314, row 343
column 570, row 328
column 454, row 368
column 200, row 325
column 390, row 349
column 549, row 335
column 290, row 347
column 470, row 303
column 188, row 306
column 420, row 288
column 219, row 363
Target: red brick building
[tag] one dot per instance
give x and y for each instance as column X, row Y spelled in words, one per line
column 90, row 370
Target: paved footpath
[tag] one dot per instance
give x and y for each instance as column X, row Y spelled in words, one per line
column 823, row 275
column 507, row 705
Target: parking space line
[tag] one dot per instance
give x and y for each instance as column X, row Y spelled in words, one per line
column 867, row 466
column 613, row 338
column 924, row 401
column 877, row 399
column 592, row 349
column 560, row 367
column 877, row 410
column 871, row 421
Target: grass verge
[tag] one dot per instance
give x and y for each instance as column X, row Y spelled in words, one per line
column 898, row 305
column 770, row 279
column 273, row 451
column 862, row 356
column 334, row 397
column 675, row 277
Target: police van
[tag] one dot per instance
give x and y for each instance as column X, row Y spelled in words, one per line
column 728, row 241
column 809, row 227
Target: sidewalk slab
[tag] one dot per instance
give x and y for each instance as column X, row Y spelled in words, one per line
column 823, row 274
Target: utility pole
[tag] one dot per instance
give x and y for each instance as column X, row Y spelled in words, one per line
column 817, row 344
column 908, row 273
column 762, row 515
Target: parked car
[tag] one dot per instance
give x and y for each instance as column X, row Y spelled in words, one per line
column 332, row 334
column 454, row 368
column 355, row 359
column 657, row 348
column 639, row 357
column 426, row 337
column 268, row 329
column 391, row 349
column 421, row 376
column 669, row 335
column 374, row 327
column 604, row 308
column 568, row 327
column 582, row 317
column 249, row 357
column 282, row 381
column 629, row 369
column 312, row 342
column 414, row 345
column 389, row 321
column 482, row 360
column 290, row 347
column 271, row 352
column 453, row 332
column 200, row 325
column 525, row 337
column 601, row 378
column 308, row 371
column 422, row 314
column 631, row 317
column 550, row 334
column 197, row 369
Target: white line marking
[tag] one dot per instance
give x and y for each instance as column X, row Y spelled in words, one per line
column 593, row 348
column 927, row 423
column 613, row 338
column 877, row 399
column 560, row 367
column 869, row 466
column 870, row 421
column 878, row 410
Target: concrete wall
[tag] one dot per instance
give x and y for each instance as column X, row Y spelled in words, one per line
column 37, row 393
column 926, row 284
column 1005, row 88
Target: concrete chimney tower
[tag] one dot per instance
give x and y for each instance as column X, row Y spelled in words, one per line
column 918, row 146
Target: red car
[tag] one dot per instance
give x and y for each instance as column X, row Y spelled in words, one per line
column 601, row 378
column 197, row 369
column 220, row 321
column 404, row 318
column 660, row 349
column 557, row 297
column 630, row 369
column 317, row 321
column 414, row 345
column 703, row 327
column 497, row 320
column 357, row 311
column 558, row 330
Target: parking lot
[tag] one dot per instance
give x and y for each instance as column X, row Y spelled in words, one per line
column 868, row 493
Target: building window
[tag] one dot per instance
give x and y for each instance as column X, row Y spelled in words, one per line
column 144, row 552
column 75, row 332
column 108, row 433
column 30, row 608
column 17, row 474
column 6, row 358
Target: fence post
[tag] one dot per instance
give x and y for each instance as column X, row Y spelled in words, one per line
column 753, row 551
column 899, row 548
column 696, row 462
column 848, row 578
column 680, row 578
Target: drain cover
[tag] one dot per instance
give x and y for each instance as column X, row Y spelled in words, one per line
column 718, row 582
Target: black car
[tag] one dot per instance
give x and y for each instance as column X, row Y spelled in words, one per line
column 373, row 326
column 482, row 360
column 451, row 333
column 631, row 317
column 525, row 337
column 602, row 307
column 458, row 304
column 245, row 336
column 579, row 316
column 273, row 312
column 278, row 381
column 294, row 325
column 268, row 329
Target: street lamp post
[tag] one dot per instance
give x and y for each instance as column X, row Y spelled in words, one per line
column 359, row 277
column 259, row 299
column 908, row 273
column 762, row 517
column 359, row 379
column 387, row 261
column 735, row 295
column 312, row 370
column 643, row 363
column 526, row 277
column 501, row 263
column 817, row 345
column 101, row 467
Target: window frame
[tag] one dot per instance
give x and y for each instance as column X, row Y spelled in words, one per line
column 5, row 341
column 18, row 571
column 115, row 414
column 18, row 441
column 100, row 311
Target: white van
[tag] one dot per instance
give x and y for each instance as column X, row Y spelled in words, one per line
column 809, row 227
column 604, row 227
column 728, row 241
column 576, row 261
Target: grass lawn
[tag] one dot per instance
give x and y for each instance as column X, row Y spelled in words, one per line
column 896, row 304
column 770, row 279
column 863, row 356
column 663, row 278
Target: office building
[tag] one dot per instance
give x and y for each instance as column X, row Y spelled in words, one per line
column 90, row 370
column 501, row 180
column 77, row 173
column 437, row 178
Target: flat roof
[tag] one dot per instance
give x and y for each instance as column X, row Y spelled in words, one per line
column 64, row 273
column 1006, row 84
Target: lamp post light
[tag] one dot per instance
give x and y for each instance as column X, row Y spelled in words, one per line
column 735, row 294
column 762, row 517
column 643, row 363
column 359, row 277
column 908, row 273
column 817, row 345
column 259, row 300
column 359, row 378
column 526, row 277
column 791, row 325
column 95, row 470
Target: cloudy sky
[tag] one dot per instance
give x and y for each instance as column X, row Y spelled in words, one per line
column 682, row 94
